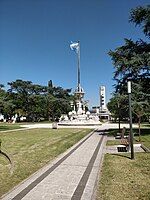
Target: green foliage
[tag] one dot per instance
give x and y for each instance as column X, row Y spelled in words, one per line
column 140, row 100
column 117, row 106
column 132, row 61
column 34, row 101
column 141, row 16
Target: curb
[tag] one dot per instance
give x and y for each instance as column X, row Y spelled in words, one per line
column 146, row 149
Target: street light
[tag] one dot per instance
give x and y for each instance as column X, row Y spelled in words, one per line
column 130, row 116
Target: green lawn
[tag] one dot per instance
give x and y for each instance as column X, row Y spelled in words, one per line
column 7, row 126
column 145, row 125
column 145, row 137
column 118, row 142
column 113, row 142
column 123, row 178
column 32, row 149
column 145, row 140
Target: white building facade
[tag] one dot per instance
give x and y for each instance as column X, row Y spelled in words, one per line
column 102, row 94
column 103, row 111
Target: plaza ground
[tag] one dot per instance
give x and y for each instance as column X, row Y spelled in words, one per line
column 114, row 166
column 32, row 149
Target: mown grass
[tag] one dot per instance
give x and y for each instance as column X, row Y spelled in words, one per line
column 145, row 137
column 112, row 142
column 32, row 149
column 123, row 178
column 7, row 126
column 144, row 131
column 145, row 140
column 145, row 125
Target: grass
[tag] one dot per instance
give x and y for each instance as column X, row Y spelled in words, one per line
column 145, row 125
column 123, row 178
column 32, row 149
column 6, row 126
column 144, row 130
column 145, row 137
column 145, row 140
column 118, row 142
column 112, row 142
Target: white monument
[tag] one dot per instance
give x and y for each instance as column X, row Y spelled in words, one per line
column 78, row 115
column 79, row 92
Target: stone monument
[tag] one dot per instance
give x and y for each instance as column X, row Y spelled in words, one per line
column 79, row 92
column 79, row 116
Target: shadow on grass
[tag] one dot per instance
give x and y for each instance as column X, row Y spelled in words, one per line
column 114, row 132
column 121, row 155
column 3, row 128
column 144, row 131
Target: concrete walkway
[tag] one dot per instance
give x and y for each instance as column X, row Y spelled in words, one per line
column 104, row 126
column 72, row 176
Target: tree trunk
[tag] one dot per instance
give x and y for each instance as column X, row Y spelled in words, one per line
column 119, row 125
column 139, row 124
column 119, row 119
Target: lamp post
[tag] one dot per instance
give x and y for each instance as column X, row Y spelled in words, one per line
column 130, row 117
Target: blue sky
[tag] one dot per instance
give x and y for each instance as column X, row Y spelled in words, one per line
column 35, row 36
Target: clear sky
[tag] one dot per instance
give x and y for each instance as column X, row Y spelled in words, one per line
column 35, row 36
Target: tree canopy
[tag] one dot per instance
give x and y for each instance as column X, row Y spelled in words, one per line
column 132, row 61
column 34, row 101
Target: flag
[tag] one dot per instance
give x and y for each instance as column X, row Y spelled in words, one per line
column 75, row 46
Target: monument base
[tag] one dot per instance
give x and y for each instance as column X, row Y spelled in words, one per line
column 81, row 120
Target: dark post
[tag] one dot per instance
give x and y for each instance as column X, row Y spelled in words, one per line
column 130, row 117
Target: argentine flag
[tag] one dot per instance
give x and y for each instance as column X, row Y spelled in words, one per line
column 75, row 46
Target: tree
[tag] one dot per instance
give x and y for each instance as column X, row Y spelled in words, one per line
column 36, row 101
column 140, row 105
column 58, row 101
column 117, row 107
column 132, row 60
column 2, row 98
column 27, row 98
column 141, row 16
column 6, row 104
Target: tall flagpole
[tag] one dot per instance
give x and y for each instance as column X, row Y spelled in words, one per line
column 78, row 73
column 79, row 93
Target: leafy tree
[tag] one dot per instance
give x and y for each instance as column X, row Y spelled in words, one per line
column 2, row 98
column 36, row 101
column 6, row 104
column 117, row 107
column 140, row 104
column 141, row 16
column 27, row 97
column 132, row 60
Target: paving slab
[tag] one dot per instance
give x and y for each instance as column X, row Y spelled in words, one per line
column 113, row 149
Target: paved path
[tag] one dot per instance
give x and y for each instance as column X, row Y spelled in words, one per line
column 104, row 126
column 72, row 176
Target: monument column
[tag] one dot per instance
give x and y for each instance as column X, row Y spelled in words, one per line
column 78, row 74
column 79, row 93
